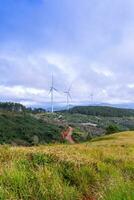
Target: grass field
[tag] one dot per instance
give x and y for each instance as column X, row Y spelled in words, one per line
column 101, row 169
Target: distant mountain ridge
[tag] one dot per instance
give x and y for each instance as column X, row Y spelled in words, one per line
column 62, row 105
column 12, row 106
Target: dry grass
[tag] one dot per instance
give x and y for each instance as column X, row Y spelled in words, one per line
column 100, row 169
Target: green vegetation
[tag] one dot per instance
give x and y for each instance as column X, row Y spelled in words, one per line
column 102, row 111
column 124, row 123
column 112, row 128
column 80, row 136
column 99, row 170
column 26, row 126
column 24, row 129
column 88, row 126
column 17, row 107
column 10, row 106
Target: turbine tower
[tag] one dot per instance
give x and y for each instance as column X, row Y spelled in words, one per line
column 52, row 89
column 68, row 96
column 91, row 96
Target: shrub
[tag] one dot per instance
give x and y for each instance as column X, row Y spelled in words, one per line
column 112, row 129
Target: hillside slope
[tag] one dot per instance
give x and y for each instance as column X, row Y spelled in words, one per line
column 102, row 169
column 102, row 111
column 24, row 129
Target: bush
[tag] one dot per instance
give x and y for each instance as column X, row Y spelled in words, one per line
column 112, row 129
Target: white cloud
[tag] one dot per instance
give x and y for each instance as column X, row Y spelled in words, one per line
column 89, row 44
column 101, row 70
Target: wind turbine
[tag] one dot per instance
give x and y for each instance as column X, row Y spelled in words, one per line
column 68, row 96
column 91, row 96
column 52, row 89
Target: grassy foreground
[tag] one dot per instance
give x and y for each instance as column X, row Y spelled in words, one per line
column 101, row 169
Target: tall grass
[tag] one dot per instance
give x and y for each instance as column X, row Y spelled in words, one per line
column 97, row 170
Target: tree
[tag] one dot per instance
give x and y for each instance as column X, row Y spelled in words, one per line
column 112, row 128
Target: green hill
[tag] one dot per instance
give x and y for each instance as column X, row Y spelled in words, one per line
column 102, row 111
column 24, row 129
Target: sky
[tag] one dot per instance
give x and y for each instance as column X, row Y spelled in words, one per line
column 85, row 44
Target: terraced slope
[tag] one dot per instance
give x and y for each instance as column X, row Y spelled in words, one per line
column 102, row 169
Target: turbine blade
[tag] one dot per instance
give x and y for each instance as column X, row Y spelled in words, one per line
column 55, row 89
column 69, row 96
column 50, row 91
column 70, row 87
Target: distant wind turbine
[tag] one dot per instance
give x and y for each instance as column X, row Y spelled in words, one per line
column 68, row 96
column 92, row 97
column 52, row 89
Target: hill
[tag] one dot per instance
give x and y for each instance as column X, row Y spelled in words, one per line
column 102, row 111
column 88, row 126
column 25, row 129
column 102, row 169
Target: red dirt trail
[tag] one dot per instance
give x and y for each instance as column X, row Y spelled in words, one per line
column 67, row 135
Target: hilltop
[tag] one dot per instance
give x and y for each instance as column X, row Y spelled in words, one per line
column 104, row 111
column 102, row 169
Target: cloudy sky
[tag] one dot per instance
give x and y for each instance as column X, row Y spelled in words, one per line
column 86, row 43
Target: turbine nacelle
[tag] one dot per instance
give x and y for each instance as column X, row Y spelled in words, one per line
column 68, row 94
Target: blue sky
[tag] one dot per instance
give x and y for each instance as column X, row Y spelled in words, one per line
column 89, row 44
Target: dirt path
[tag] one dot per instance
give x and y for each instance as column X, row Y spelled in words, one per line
column 67, row 135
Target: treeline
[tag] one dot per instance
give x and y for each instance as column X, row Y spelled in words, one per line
column 35, row 110
column 10, row 106
column 102, row 111
column 19, row 127
column 17, row 107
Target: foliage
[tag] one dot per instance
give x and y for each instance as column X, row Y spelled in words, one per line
column 112, row 128
column 102, row 111
column 97, row 125
column 35, row 110
column 17, row 107
column 80, row 136
column 24, row 129
column 10, row 106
